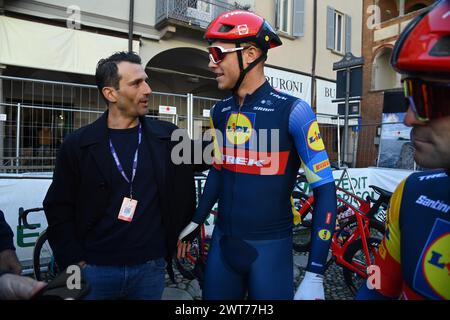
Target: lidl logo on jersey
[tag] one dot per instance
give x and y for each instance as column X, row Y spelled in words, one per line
column 432, row 276
column 314, row 138
column 324, row 234
column 239, row 127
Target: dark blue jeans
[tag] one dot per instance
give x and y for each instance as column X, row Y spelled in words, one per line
column 139, row 282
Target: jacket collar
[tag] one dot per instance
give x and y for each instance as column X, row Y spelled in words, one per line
column 96, row 139
column 97, row 132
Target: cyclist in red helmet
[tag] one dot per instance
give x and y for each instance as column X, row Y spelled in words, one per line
column 414, row 256
column 251, row 251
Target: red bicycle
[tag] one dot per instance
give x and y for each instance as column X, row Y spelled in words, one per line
column 358, row 231
column 192, row 266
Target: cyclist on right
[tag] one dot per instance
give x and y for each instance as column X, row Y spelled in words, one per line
column 414, row 256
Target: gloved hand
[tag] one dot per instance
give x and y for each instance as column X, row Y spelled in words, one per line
column 186, row 236
column 9, row 261
column 311, row 287
column 14, row 287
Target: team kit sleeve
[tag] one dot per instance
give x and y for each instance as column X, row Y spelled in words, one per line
column 305, row 131
column 213, row 181
column 388, row 258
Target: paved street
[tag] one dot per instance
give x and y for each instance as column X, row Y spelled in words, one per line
column 335, row 287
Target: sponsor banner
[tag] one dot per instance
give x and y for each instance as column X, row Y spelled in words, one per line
column 361, row 179
column 28, row 194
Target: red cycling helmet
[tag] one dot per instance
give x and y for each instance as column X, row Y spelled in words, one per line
column 422, row 53
column 242, row 26
column 424, row 46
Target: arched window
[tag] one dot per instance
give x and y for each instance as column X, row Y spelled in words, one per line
column 388, row 9
column 383, row 75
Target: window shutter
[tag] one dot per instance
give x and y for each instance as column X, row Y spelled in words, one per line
column 277, row 14
column 299, row 18
column 348, row 33
column 330, row 28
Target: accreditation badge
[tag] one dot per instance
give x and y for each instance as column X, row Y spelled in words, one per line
column 127, row 209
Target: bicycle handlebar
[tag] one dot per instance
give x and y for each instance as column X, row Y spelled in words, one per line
column 23, row 215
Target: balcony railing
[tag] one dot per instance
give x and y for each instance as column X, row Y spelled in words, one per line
column 198, row 13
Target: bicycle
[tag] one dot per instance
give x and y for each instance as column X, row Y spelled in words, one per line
column 357, row 235
column 45, row 267
column 192, row 266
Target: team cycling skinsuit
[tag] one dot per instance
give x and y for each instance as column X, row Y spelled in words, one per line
column 418, row 219
column 253, row 178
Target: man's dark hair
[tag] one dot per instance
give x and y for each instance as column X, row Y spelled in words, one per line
column 106, row 74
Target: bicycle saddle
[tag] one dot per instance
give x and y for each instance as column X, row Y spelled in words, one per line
column 383, row 193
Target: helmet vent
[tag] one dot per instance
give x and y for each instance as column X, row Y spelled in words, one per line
column 441, row 48
column 225, row 28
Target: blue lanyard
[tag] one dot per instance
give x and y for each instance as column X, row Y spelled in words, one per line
column 135, row 161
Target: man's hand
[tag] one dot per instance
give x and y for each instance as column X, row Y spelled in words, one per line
column 184, row 240
column 14, row 287
column 311, row 287
column 9, row 261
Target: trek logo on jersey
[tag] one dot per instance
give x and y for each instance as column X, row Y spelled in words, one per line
column 432, row 276
column 433, row 176
column 321, row 165
column 275, row 95
column 239, row 127
column 253, row 162
column 314, row 138
column 324, row 234
column 433, row 204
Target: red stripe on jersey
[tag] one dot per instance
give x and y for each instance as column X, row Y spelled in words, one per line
column 391, row 273
column 253, row 162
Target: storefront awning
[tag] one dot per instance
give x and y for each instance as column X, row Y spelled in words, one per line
column 37, row 45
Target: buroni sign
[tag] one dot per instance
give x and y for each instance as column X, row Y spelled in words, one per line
column 291, row 83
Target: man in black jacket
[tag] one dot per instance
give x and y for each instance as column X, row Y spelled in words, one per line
column 8, row 257
column 117, row 202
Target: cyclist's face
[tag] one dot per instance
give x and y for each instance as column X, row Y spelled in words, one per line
column 227, row 71
column 431, row 140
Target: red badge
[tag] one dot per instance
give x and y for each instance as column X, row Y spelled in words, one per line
column 328, row 220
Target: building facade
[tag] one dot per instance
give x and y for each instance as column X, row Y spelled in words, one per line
column 384, row 20
column 49, row 50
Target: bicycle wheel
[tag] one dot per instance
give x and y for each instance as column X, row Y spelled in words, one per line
column 355, row 255
column 44, row 264
column 301, row 233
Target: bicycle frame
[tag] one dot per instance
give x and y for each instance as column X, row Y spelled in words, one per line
column 362, row 230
